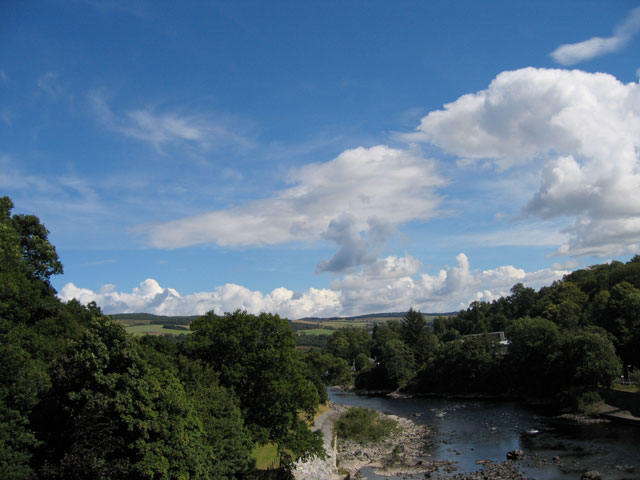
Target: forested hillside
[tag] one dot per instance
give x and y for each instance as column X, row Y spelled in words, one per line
column 566, row 342
column 80, row 398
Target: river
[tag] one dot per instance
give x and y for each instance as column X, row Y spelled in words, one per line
column 470, row 430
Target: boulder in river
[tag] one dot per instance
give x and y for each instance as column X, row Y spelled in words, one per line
column 515, row 455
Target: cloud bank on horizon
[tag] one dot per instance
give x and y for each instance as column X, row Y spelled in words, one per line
column 390, row 284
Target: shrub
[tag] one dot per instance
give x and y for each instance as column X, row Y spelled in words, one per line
column 364, row 425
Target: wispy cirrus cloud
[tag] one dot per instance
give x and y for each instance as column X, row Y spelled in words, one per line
column 48, row 84
column 572, row 53
column 162, row 129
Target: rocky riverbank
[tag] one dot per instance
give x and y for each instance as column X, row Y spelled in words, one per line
column 490, row 471
column 405, row 451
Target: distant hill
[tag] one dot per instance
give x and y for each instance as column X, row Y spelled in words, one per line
column 187, row 319
column 374, row 315
column 149, row 318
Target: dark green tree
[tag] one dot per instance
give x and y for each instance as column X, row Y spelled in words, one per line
column 324, row 370
column 471, row 365
column 27, row 260
column 256, row 358
column 348, row 343
column 110, row 415
column 418, row 337
column 588, row 365
column 22, row 380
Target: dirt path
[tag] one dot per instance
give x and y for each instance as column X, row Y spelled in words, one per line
column 317, row 468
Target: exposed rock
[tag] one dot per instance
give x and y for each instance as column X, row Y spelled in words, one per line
column 402, row 452
column 490, row 471
column 515, row 455
column 591, row 475
column 583, row 419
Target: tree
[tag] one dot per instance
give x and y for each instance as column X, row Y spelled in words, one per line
column 256, row 358
column 417, row 335
column 219, row 411
column 38, row 254
column 588, row 365
column 521, row 300
column 27, row 261
column 110, row 415
column 533, row 354
column 563, row 303
column 22, row 380
column 348, row 342
column 323, row 369
column 472, row 365
column 398, row 363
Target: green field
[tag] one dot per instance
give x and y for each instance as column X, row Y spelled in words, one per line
column 316, row 331
column 326, row 327
column 153, row 330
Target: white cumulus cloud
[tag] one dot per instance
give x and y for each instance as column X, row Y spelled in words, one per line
column 151, row 297
column 396, row 283
column 362, row 189
column 579, row 131
column 572, row 53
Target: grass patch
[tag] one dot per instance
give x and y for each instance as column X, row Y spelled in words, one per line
column 626, row 388
column 154, row 330
column 323, row 407
column 266, row 456
column 364, row 425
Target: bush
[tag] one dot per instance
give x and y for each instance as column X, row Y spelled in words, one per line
column 364, row 425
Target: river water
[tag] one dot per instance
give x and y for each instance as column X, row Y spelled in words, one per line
column 470, row 430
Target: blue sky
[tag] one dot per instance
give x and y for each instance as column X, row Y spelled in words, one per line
column 321, row 158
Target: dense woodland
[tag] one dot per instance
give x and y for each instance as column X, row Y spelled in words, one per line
column 567, row 342
column 80, row 398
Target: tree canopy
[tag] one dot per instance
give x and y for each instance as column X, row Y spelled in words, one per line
column 81, row 398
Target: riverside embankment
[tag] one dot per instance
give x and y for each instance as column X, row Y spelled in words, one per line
column 317, row 468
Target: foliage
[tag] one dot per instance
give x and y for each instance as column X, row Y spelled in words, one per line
column 323, row 369
column 22, row 379
column 256, row 358
column 108, row 414
column 417, row 336
column 474, row 365
column 81, row 398
column 364, row 425
column 348, row 342
column 318, row 341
